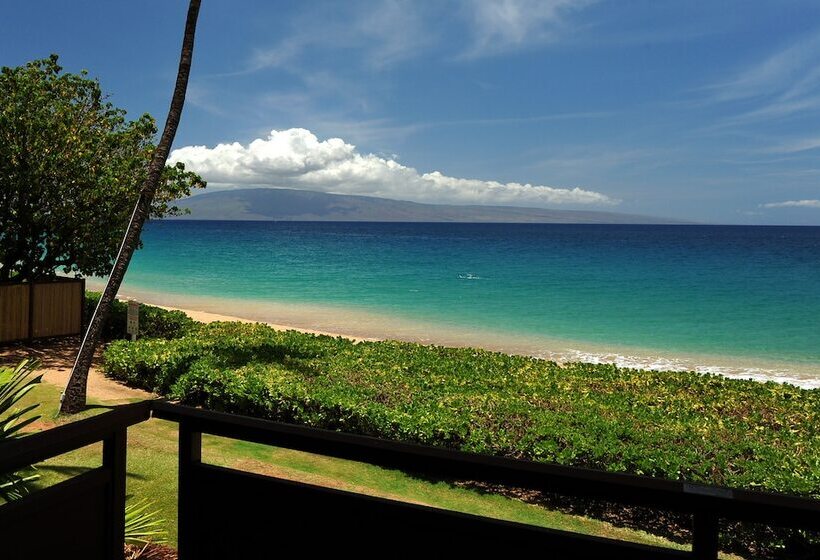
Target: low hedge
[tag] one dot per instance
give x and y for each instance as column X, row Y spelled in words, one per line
column 154, row 321
column 678, row 425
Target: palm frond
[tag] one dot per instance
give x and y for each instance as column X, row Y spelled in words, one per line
column 142, row 526
column 14, row 486
column 15, row 383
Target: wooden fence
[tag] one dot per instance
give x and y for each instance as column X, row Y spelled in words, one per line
column 31, row 310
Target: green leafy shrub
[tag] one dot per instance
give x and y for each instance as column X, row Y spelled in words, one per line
column 677, row 425
column 153, row 364
column 155, row 322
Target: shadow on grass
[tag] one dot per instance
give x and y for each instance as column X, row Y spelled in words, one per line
column 65, row 470
column 96, row 406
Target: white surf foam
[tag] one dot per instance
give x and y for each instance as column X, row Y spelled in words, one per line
column 660, row 363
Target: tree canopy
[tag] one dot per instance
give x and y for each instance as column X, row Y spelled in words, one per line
column 71, row 169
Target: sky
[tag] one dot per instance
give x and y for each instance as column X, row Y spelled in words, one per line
column 699, row 110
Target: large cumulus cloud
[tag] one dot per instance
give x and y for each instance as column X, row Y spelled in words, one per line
column 296, row 158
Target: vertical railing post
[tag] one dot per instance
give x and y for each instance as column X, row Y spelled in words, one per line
column 114, row 458
column 190, row 454
column 705, row 533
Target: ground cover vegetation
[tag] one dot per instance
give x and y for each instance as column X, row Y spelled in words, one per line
column 678, row 425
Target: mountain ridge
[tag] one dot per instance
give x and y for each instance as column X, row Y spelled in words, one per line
column 267, row 204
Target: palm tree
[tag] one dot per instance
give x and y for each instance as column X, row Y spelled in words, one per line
column 74, row 396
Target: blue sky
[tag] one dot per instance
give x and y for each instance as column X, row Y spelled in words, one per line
column 698, row 110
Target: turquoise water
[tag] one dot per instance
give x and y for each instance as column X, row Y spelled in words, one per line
column 750, row 292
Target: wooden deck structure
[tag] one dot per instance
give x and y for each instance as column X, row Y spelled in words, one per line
column 227, row 513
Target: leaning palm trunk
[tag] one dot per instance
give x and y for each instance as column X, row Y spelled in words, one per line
column 75, row 393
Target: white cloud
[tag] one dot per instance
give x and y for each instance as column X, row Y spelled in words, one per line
column 795, row 146
column 793, row 204
column 784, row 86
column 296, row 158
column 791, row 71
column 506, row 25
column 395, row 30
column 383, row 33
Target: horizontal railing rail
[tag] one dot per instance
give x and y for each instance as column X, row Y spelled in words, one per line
column 39, row 446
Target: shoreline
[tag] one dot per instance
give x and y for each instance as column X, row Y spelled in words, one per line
column 209, row 317
column 360, row 325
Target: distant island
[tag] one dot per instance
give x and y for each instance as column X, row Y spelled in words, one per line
column 299, row 205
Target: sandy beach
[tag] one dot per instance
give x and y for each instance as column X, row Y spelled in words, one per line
column 208, row 317
column 361, row 325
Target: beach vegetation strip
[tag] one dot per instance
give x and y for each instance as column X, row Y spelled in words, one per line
column 154, row 322
column 678, row 425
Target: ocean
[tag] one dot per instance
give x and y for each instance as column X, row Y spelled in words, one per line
column 737, row 300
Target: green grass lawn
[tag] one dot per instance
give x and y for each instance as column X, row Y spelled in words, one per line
column 152, row 474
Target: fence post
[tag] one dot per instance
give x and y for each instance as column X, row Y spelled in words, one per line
column 82, row 308
column 705, row 536
column 190, row 454
column 114, row 457
column 30, row 285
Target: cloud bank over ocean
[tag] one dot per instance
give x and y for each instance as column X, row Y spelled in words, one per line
column 808, row 203
column 296, row 158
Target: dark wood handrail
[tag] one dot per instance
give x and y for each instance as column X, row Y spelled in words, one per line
column 20, row 452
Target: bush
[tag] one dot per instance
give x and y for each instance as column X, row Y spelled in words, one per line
column 155, row 322
column 683, row 426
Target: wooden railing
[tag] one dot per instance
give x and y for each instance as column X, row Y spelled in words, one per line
column 84, row 516
column 227, row 513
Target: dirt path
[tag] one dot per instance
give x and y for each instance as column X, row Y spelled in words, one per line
column 57, row 358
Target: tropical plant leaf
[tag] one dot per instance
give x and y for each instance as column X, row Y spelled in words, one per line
column 14, row 486
column 142, row 526
column 15, row 383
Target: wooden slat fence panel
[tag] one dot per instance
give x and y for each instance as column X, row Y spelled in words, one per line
column 57, row 309
column 41, row 309
column 325, row 523
column 14, row 311
column 68, row 520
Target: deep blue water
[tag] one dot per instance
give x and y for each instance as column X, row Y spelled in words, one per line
column 726, row 290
